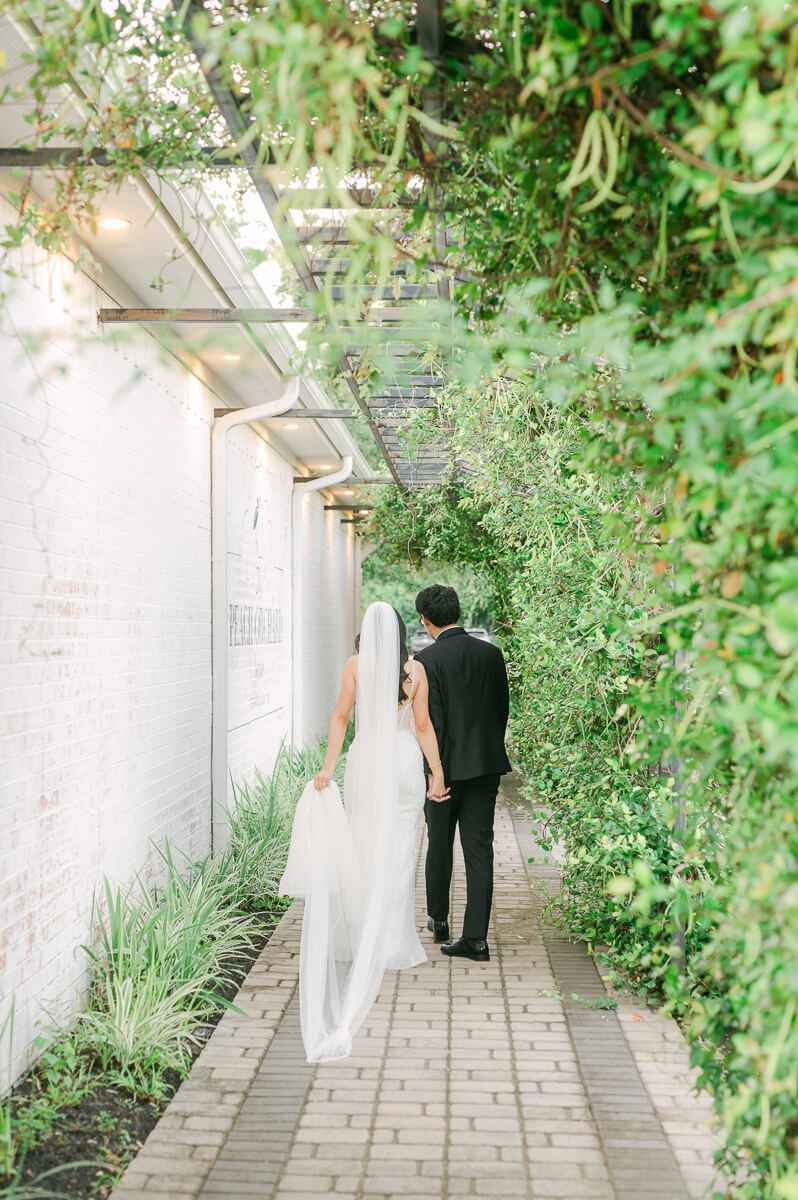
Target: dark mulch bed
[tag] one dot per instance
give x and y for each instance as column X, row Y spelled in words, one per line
column 102, row 1133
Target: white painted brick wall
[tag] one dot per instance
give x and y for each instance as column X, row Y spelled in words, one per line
column 105, row 650
column 105, row 610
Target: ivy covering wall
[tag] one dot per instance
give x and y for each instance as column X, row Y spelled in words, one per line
column 619, row 182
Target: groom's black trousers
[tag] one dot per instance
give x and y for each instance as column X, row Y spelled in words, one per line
column 471, row 805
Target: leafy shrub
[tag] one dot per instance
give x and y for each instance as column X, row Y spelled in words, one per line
column 742, row 1010
column 617, row 829
column 670, row 787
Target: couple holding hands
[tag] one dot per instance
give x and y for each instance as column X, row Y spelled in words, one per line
column 429, row 739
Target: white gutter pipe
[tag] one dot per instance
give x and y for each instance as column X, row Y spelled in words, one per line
column 297, row 591
column 221, row 427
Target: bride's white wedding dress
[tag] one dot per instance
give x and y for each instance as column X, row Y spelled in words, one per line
column 355, row 863
column 403, row 944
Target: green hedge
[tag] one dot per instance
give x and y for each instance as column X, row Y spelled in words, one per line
column 610, row 730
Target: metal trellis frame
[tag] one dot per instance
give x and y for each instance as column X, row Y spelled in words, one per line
column 393, row 316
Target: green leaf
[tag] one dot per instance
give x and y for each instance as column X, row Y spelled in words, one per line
column 748, row 675
column 621, row 885
column 566, row 29
column 590, row 15
column 787, row 1187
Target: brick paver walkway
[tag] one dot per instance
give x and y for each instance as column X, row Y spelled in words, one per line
column 467, row 1079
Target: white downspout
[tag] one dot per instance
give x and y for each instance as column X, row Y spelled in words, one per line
column 221, row 427
column 297, row 631
column 357, row 583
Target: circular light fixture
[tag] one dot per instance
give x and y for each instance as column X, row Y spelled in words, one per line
column 231, row 357
column 363, row 512
column 290, row 427
column 349, row 492
column 113, row 223
column 325, row 467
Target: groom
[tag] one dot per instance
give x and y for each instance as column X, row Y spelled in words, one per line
column 468, row 705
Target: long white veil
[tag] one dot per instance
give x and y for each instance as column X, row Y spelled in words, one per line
column 345, row 862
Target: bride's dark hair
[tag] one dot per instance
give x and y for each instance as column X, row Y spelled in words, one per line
column 403, row 656
column 403, row 675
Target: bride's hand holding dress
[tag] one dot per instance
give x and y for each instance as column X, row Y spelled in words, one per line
column 338, row 723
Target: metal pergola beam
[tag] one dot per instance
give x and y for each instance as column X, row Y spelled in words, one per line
column 327, row 234
column 312, row 414
column 246, row 316
column 412, row 392
column 347, row 507
column 321, row 414
column 358, row 481
column 254, row 154
column 404, row 291
column 331, row 266
column 330, row 235
column 382, row 336
column 429, row 28
column 310, row 199
column 424, row 383
column 68, row 156
column 207, row 316
column 390, row 408
column 56, row 157
column 399, row 350
column 394, row 422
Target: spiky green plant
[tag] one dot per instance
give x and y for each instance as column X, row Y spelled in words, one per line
column 183, row 930
column 145, row 1026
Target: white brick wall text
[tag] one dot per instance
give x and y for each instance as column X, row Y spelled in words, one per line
column 259, row 574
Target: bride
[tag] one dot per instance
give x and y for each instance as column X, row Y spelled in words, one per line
column 355, row 864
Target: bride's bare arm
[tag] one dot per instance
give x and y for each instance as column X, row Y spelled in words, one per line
column 338, row 723
column 426, row 737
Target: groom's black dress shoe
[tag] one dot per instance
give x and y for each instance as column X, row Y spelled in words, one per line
column 440, row 929
column 467, row 948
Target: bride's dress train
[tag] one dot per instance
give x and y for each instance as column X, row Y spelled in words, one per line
column 355, row 863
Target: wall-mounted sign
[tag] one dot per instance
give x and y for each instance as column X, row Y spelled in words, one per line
column 250, row 625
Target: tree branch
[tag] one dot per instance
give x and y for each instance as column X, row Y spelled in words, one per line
column 785, row 292
column 611, row 68
column 643, row 121
column 561, row 244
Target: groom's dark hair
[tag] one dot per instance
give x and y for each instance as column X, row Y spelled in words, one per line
column 438, row 604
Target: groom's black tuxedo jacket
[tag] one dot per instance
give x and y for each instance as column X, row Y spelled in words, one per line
column 468, row 703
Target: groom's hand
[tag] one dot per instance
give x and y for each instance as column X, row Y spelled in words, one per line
column 437, row 789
